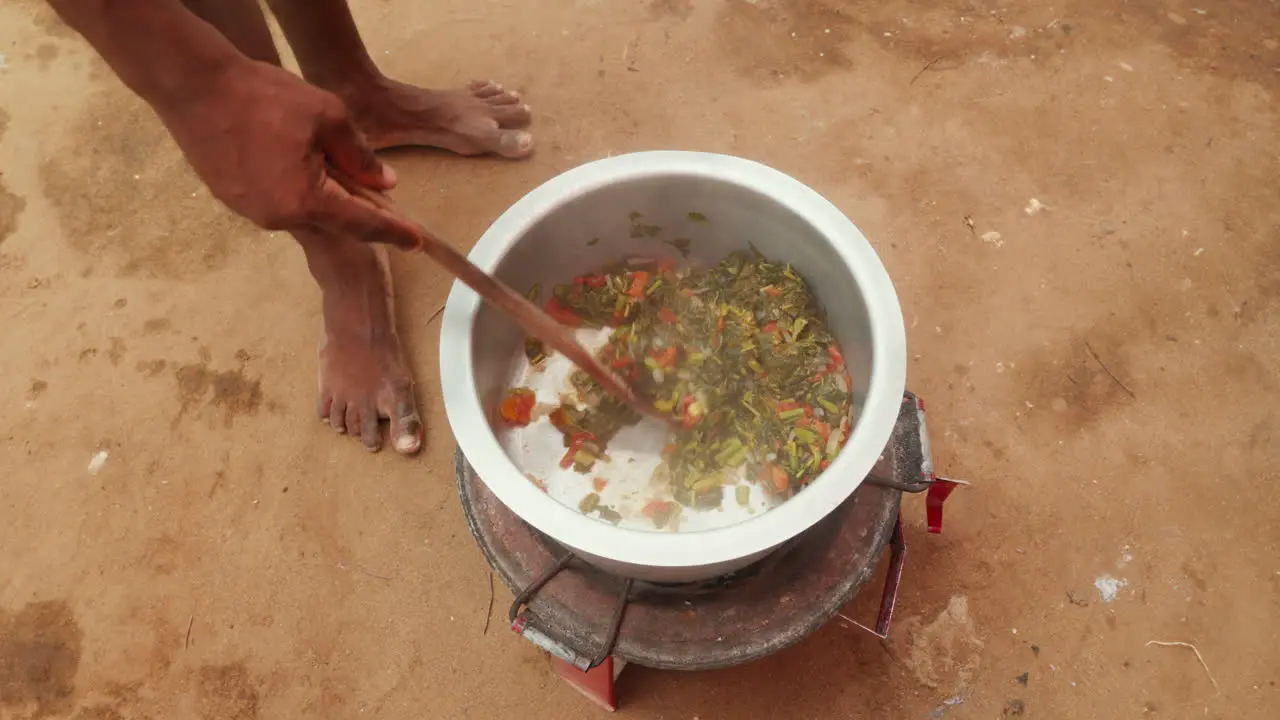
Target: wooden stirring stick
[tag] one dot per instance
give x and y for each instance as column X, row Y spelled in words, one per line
column 516, row 306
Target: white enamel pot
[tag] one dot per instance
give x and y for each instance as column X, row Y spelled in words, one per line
column 544, row 238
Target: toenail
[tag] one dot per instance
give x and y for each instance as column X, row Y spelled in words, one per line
column 405, row 443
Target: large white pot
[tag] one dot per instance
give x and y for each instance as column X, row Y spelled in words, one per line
column 543, row 238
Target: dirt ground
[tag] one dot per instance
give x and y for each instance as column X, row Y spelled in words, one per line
column 1054, row 187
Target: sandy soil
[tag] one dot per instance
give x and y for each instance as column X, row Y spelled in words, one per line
column 232, row 559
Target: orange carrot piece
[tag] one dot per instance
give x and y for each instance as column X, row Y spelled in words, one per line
column 665, row 357
column 562, row 314
column 517, row 406
column 837, row 357
column 639, row 281
column 778, row 478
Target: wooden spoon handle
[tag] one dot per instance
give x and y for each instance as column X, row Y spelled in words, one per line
column 516, row 306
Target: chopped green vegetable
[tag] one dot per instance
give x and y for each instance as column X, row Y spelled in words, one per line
column 681, row 244
column 593, row 242
column 535, row 352
column 589, row 503
column 743, row 495
column 608, row 514
column 738, row 354
column 697, row 217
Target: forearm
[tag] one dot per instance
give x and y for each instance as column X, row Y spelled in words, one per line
column 158, row 48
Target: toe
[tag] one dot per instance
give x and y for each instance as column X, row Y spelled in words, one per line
column 506, row 98
column 353, row 419
column 485, row 133
column 406, row 427
column 514, row 144
column 338, row 415
column 370, row 434
column 322, row 405
column 485, row 89
column 511, row 116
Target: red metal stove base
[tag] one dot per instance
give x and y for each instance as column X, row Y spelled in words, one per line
column 597, row 683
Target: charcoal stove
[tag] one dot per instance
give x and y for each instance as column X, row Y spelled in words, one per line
column 593, row 623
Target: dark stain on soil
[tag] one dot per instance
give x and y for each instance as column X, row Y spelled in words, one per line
column 227, row 390
column 150, row 368
column 11, row 206
column 40, row 649
column 115, row 353
column 156, row 325
column 227, row 692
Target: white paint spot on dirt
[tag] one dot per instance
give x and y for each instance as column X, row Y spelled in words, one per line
column 1033, row 207
column 1109, row 587
column 941, row 710
column 1126, row 557
column 1176, row 19
column 1125, row 66
column 96, row 462
column 991, row 237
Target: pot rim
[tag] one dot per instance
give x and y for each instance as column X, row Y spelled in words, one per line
column 469, row 420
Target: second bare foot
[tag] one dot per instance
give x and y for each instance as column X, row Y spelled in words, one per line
column 364, row 377
column 479, row 119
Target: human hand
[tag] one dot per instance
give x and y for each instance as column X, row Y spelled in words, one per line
column 260, row 138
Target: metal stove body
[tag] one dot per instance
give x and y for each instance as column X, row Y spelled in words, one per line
column 594, row 623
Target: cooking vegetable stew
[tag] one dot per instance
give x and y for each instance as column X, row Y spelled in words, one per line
column 738, row 354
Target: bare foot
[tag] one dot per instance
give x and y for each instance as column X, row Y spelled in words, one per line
column 479, row 119
column 363, row 374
